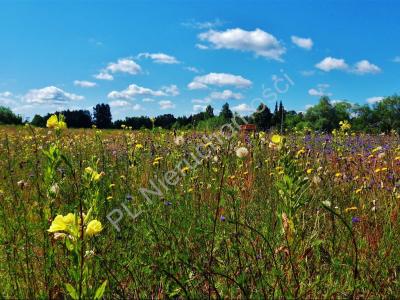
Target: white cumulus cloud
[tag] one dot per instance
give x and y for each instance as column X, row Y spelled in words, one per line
column 242, row 108
column 166, row 104
column 219, row 79
column 171, row 90
column 119, row 103
column 84, row 83
column 134, row 90
column 103, row 75
column 331, row 63
column 361, row 67
column 198, row 107
column 50, row 95
column 365, row 67
column 226, row 95
column 160, row 58
column 257, row 41
column 305, row 43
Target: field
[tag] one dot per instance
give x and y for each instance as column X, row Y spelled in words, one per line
column 158, row 214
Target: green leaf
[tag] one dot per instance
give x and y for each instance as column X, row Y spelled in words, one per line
column 71, row 291
column 100, row 290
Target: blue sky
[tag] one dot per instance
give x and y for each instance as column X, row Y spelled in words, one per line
column 154, row 57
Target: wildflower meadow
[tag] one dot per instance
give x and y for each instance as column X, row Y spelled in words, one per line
column 154, row 213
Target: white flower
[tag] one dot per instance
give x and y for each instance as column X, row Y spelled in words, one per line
column 327, row 203
column 242, row 152
column 54, row 188
column 179, row 140
column 215, row 158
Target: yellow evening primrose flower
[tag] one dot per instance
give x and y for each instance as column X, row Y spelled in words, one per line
column 69, row 219
column 52, row 121
column 94, row 227
column 58, row 224
column 62, row 125
column 277, row 139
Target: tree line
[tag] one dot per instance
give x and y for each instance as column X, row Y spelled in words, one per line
column 325, row 116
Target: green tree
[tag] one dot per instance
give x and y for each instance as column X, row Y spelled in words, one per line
column 38, row 121
column 322, row 116
column 102, row 116
column 226, row 113
column 8, row 117
column 262, row 117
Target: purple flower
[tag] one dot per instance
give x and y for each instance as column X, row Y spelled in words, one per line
column 222, row 218
column 167, row 203
column 129, row 197
column 355, row 220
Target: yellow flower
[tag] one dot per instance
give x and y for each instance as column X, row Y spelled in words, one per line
column 55, row 122
column 94, row 227
column 338, row 174
column 139, row 146
column 58, row 224
column 350, row 209
column 52, row 121
column 277, row 139
column 185, row 169
column 358, row 191
column 309, row 171
column 62, row 125
column 69, row 219
column 300, row 152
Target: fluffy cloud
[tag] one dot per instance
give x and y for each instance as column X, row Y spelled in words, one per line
column 83, row 83
column 374, row 100
column 119, row 103
column 365, row 67
column 50, row 95
column 134, row 90
column 305, row 43
column 331, row 63
column 219, row 79
column 123, row 65
column 362, row 67
column 103, row 75
column 148, row 100
column 396, row 59
column 160, row 58
column 320, row 90
column 257, row 41
column 7, row 98
column 242, row 108
column 198, row 107
column 166, row 104
column 202, row 101
column 226, row 95
column 171, row 90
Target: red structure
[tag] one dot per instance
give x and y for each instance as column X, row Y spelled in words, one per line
column 247, row 128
